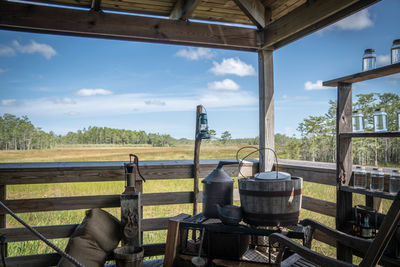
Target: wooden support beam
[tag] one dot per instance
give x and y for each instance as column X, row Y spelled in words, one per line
column 183, row 9
column 255, row 10
column 310, row 17
column 77, row 22
column 266, row 108
column 344, row 161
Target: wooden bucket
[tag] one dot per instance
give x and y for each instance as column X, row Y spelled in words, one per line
column 271, row 202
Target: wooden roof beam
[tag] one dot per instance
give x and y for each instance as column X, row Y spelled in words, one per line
column 255, row 11
column 77, row 22
column 183, row 9
column 310, row 17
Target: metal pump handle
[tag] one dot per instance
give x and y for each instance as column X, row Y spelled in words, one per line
column 222, row 163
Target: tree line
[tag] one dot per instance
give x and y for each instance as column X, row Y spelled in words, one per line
column 18, row 133
column 318, row 134
column 317, row 141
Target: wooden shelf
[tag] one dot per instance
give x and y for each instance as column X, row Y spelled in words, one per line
column 367, row 192
column 370, row 134
column 365, row 75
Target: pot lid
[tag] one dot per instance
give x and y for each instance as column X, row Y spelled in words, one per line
column 218, row 175
column 272, row 176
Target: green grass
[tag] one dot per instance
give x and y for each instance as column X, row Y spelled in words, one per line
column 95, row 153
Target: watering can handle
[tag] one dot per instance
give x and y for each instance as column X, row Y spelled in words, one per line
column 136, row 161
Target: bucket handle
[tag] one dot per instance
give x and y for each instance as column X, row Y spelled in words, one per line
column 256, row 150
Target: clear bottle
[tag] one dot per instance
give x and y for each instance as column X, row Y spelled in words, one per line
column 394, row 184
column 360, row 177
column 396, row 51
column 380, row 120
column 358, row 121
column 369, row 60
column 377, row 179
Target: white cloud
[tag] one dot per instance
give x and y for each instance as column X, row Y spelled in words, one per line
column 232, row 66
column 226, row 84
column 357, row 21
column 127, row 104
column 196, row 54
column 155, row 102
column 3, row 70
column 383, row 60
column 44, row 49
column 8, row 102
column 62, row 100
column 308, row 86
column 6, row 51
column 71, row 113
column 92, row 92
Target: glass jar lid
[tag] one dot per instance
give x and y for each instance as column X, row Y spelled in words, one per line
column 396, row 42
column 369, row 51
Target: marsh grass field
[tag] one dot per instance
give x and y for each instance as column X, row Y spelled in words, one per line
column 112, row 153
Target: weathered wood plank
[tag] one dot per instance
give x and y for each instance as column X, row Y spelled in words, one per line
column 183, row 9
column 88, row 202
column 325, row 22
column 316, row 172
column 47, row 19
column 306, row 16
column 318, row 205
column 33, row 173
column 51, row 259
column 365, row 75
column 344, row 161
column 266, row 109
column 63, row 231
column 254, row 10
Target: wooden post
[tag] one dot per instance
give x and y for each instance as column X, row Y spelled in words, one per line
column 3, row 221
column 172, row 244
column 266, row 108
column 344, row 162
column 196, row 169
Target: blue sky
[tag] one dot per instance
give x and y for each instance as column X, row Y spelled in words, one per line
column 68, row 83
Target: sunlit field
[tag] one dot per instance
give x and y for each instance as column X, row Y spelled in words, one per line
column 93, row 153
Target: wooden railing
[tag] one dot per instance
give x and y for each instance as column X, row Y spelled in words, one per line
column 37, row 173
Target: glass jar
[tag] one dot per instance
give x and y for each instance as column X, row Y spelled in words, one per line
column 358, row 121
column 398, row 120
column 377, row 179
column 396, row 51
column 360, row 177
column 380, row 120
column 369, row 60
column 394, row 184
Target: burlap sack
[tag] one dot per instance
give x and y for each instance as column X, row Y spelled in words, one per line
column 95, row 238
column 85, row 251
column 102, row 227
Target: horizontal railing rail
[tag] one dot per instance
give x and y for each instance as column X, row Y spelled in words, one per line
column 37, row 173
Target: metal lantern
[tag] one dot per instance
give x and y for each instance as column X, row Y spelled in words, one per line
column 203, row 127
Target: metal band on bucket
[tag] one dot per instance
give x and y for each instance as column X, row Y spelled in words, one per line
column 246, row 192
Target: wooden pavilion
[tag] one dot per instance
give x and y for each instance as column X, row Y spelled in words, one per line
column 260, row 26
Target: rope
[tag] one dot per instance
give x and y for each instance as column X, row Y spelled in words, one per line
column 41, row 237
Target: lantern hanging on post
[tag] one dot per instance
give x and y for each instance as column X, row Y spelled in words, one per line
column 202, row 132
